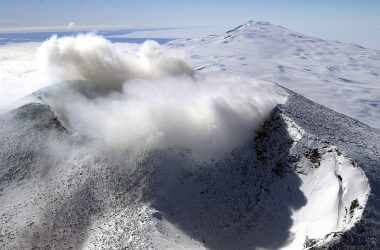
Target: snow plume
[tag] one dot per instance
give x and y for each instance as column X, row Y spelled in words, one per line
column 158, row 100
column 71, row 25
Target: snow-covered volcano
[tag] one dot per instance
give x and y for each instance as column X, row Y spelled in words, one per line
column 298, row 184
column 168, row 158
column 343, row 77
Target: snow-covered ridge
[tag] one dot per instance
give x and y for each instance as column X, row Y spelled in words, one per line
column 359, row 143
column 335, row 186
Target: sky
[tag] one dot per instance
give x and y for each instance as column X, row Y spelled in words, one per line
column 353, row 21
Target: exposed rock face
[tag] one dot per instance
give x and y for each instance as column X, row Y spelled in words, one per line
column 60, row 190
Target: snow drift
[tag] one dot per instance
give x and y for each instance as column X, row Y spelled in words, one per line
column 147, row 96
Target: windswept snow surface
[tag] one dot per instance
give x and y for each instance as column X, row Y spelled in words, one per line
column 343, row 77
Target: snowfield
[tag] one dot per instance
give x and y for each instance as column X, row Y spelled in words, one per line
column 343, row 77
column 125, row 146
column 19, row 76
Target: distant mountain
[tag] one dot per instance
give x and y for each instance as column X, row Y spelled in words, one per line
column 343, row 77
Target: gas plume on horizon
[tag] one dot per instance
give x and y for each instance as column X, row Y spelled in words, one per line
column 148, row 96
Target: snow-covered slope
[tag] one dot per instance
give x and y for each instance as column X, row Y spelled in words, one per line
column 343, row 77
column 290, row 188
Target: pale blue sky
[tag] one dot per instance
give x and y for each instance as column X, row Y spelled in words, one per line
column 356, row 21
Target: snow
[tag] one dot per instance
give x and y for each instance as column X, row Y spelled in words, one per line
column 18, row 75
column 343, row 77
column 301, row 183
column 329, row 198
column 359, row 143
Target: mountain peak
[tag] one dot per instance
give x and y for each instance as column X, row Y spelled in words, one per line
column 252, row 25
